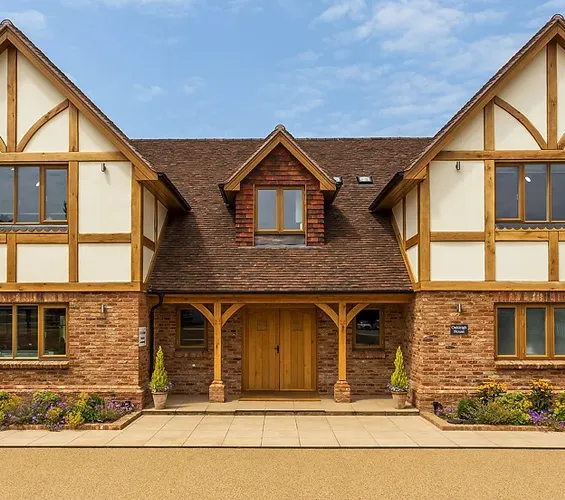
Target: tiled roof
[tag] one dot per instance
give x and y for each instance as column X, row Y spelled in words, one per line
column 198, row 253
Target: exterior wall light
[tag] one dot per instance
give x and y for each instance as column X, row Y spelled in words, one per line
column 459, row 308
column 103, row 167
column 458, row 166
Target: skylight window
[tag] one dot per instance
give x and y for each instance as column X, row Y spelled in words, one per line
column 364, row 179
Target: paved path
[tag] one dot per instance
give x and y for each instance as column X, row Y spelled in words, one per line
column 284, row 431
column 255, row 474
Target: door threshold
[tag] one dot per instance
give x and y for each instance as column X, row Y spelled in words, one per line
column 279, row 396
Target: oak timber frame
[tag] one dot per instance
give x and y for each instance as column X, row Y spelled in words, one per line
column 341, row 308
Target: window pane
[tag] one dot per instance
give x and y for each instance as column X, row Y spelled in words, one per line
column 536, row 192
column 557, row 190
column 559, row 328
column 55, row 194
column 7, row 194
column 27, row 332
column 292, row 200
column 28, row 194
column 5, row 332
column 192, row 328
column 507, row 192
column 506, row 322
column 535, row 331
column 55, row 332
column 266, row 209
column 367, row 328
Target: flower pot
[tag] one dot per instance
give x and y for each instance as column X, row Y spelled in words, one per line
column 399, row 399
column 160, row 400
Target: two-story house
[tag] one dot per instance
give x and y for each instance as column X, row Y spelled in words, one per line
column 283, row 264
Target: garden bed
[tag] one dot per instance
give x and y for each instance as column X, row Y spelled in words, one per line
column 444, row 425
column 117, row 425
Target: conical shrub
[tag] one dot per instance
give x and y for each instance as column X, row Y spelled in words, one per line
column 160, row 379
column 399, row 379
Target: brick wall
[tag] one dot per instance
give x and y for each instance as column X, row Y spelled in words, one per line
column 280, row 168
column 447, row 367
column 103, row 353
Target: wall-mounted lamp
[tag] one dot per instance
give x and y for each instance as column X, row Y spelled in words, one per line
column 459, row 308
column 458, row 166
column 103, row 308
column 103, row 167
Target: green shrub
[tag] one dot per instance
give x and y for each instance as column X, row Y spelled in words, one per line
column 159, row 379
column 467, row 409
column 541, row 395
column 399, row 379
column 519, row 402
column 489, row 391
column 496, row 413
column 559, row 411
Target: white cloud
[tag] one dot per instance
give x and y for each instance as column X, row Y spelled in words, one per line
column 30, row 21
column 342, row 9
column 192, row 84
column 298, row 109
column 147, row 93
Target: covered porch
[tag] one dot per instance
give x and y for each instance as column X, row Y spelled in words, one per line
column 288, row 345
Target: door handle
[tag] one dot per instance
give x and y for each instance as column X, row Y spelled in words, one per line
column 278, row 350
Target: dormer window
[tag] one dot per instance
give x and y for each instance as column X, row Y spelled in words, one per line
column 279, row 216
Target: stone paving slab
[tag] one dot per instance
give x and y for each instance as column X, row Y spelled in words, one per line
column 292, row 431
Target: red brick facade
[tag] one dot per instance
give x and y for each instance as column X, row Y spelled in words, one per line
column 279, row 168
column 103, row 353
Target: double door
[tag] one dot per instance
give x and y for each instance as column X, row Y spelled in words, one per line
column 279, row 349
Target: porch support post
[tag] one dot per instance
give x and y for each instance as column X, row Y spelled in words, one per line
column 217, row 391
column 342, row 390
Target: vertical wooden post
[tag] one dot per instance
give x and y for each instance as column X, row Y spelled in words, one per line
column 490, row 243
column 12, row 130
column 489, row 126
column 342, row 390
column 424, row 227
column 12, row 258
column 552, row 95
column 136, row 230
column 553, row 256
column 72, row 216
column 217, row 391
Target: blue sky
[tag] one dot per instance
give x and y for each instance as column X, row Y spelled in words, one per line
column 236, row 68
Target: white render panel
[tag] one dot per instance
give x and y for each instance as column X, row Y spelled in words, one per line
column 90, row 139
column 397, row 215
column 147, row 259
column 161, row 217
column 527, row 92
column 457, row 196
column 42, row 263
column 413, row 259
column 471, row 137
column 457, row 261
column 3, row 95
column 104, row 262
column 412, row 213
column 3, row 263
column 104, row 203
column 36, row 96
column 560, row 91
column 510, row 134
column 521, row 261
column 148, row 214
column 53, row 137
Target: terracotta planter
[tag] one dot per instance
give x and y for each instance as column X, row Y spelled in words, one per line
column 399, row 399
column 160, row 399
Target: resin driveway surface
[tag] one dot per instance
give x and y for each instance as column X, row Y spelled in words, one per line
column 284, row 431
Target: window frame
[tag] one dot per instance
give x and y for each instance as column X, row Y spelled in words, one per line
column 522, row 193
column 381, row 345
column 41, row 193
column 204, row 346
column 520, row 331
column 40, row 332
column 279, row 210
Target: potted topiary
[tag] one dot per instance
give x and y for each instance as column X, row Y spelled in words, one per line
column 398, row 385
column 160, row 384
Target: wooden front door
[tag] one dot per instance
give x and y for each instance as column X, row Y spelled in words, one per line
column 279, row 350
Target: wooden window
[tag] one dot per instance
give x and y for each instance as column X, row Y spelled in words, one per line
column 279, row 210
column 530, row 193
column 191, row 330
column 530, row 331
column 33, row 194
column 368, row 332
column 33, row 331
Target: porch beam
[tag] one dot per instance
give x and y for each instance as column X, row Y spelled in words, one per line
column 355, row 310
column 230, row 311
column 330, row 312
column 204, row 311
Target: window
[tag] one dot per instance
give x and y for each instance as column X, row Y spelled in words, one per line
column 530, row 192
column 33, row 331
column 191, row 329
column 367, row 330
column 33, row 194
column 530, row 331
column 279, row 216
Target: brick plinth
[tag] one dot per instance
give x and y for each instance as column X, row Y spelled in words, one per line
column 342, row 392
column 217, row 392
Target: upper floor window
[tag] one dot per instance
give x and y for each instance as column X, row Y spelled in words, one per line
column 33, row 194
column 530, row 192
column 279, row 216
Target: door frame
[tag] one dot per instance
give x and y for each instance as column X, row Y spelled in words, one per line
column 245, row 326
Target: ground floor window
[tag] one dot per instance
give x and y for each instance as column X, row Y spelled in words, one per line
column 530, row 331
column 191, row 331
column 33, row 331
column 367, row 329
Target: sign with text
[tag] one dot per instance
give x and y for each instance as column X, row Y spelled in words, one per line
column 142, row 336
column 459, row 329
